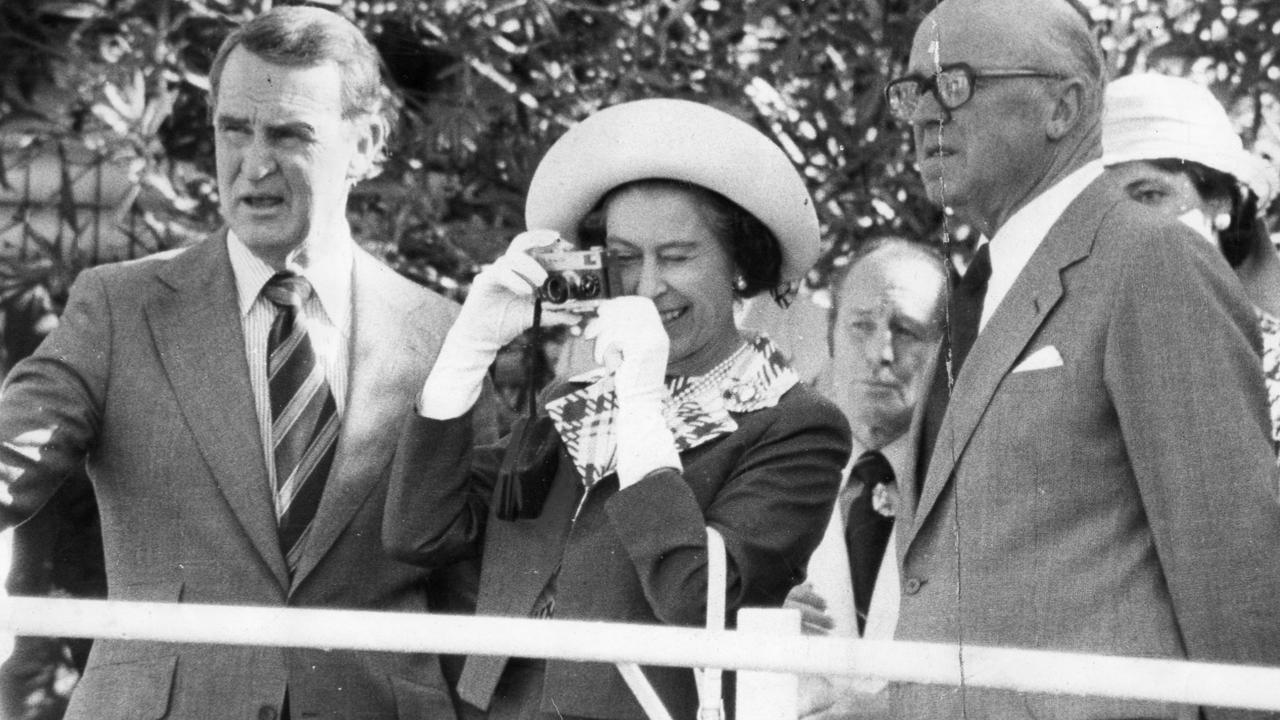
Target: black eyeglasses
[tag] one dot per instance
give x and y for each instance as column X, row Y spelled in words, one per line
column 952, row 86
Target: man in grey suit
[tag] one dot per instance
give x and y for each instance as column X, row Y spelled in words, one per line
column 236, row 403
column 1093, row 470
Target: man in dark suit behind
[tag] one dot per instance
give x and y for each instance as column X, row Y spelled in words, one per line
column 884, row 325
column 1095, row 473
column 235, row 403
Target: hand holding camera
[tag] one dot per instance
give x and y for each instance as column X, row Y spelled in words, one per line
column 498, row 308
column 631, row 341
column 500, row 304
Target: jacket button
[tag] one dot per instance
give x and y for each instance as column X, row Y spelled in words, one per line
column 912, row 585
column 266, row 712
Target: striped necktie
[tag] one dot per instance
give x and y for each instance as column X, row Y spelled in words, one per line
column 304, row 416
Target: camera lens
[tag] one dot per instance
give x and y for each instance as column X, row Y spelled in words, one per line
column 556, row 289
column 589, row 287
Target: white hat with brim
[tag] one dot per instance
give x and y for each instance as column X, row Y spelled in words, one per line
column 1150, row 116
column 675, row 140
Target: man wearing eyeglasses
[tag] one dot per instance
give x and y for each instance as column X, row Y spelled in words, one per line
column 1093, row 471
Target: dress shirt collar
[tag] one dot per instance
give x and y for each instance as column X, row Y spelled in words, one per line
column 1016, row 241
column 329, row 275
column 895, row 452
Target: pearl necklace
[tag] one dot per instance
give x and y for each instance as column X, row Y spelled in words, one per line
column 715, row 376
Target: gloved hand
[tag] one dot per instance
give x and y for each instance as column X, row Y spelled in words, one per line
column 498, row 308
column 631, row 341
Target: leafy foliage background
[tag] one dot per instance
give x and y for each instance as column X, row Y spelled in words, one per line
column 487, row 86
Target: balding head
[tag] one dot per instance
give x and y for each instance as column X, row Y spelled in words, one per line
column 885, row 324
column 1016, row 136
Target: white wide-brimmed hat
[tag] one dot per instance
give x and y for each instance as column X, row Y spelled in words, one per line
column 675, row 140
column 1149, row 116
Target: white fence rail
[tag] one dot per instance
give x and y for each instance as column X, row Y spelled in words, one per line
column 1022, row 670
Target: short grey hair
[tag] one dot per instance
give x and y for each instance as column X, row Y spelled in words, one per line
column 299, row 36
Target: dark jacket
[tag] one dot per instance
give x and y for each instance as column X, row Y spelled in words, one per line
column 637, row 555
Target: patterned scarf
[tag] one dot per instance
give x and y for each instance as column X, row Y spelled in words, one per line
column 697, row 409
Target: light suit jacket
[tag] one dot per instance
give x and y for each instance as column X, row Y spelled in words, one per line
column 1121, row 502
column 146, row 381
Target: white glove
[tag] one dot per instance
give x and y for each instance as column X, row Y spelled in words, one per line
column 498, row 308
column 631, row 341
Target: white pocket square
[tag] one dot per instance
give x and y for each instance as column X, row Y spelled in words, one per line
column 1042, row 359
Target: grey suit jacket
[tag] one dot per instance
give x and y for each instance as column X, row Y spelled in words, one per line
column 1122, row 503
column 146, row 381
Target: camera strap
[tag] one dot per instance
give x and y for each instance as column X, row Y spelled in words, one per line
column 531, row 350
column 529, row 462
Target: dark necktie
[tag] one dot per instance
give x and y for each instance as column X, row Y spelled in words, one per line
column 304, row 416
column 964, row 310
column 866, row 532
column 964, row 307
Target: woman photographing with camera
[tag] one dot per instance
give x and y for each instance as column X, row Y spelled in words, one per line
column 687, row 424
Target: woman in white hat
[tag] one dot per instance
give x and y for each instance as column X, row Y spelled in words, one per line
column 1176, row 148
column 688, row 423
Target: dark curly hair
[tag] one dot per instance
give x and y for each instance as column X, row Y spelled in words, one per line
column 1238, row 239
column 753, row 248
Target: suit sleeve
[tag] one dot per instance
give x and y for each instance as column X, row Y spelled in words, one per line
column 771, row 510
column 1185, row 378
column 51, row 405
column 440, row 488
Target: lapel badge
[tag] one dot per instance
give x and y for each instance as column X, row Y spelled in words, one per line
column 884, row 499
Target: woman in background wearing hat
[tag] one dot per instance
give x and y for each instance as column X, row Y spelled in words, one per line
column 689, row 423
column 1173, row 142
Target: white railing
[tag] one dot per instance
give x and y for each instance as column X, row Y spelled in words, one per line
column 780, row 650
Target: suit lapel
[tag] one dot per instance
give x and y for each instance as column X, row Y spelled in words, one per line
column 393, row 344
column 196, row 328
column 908, row 485
column 1024, row 309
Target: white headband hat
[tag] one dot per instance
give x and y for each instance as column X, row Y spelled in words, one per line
column 675, row 140
column 1149, row 116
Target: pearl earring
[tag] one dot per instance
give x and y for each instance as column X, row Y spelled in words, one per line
column 739, row 283
column 1221, row 221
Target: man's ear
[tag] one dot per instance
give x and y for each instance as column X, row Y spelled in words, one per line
column 371, row 136
column 1068, row 108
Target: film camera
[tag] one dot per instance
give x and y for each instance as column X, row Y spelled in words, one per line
column 577, row 280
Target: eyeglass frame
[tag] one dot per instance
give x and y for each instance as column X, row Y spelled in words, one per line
column 929, row 83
